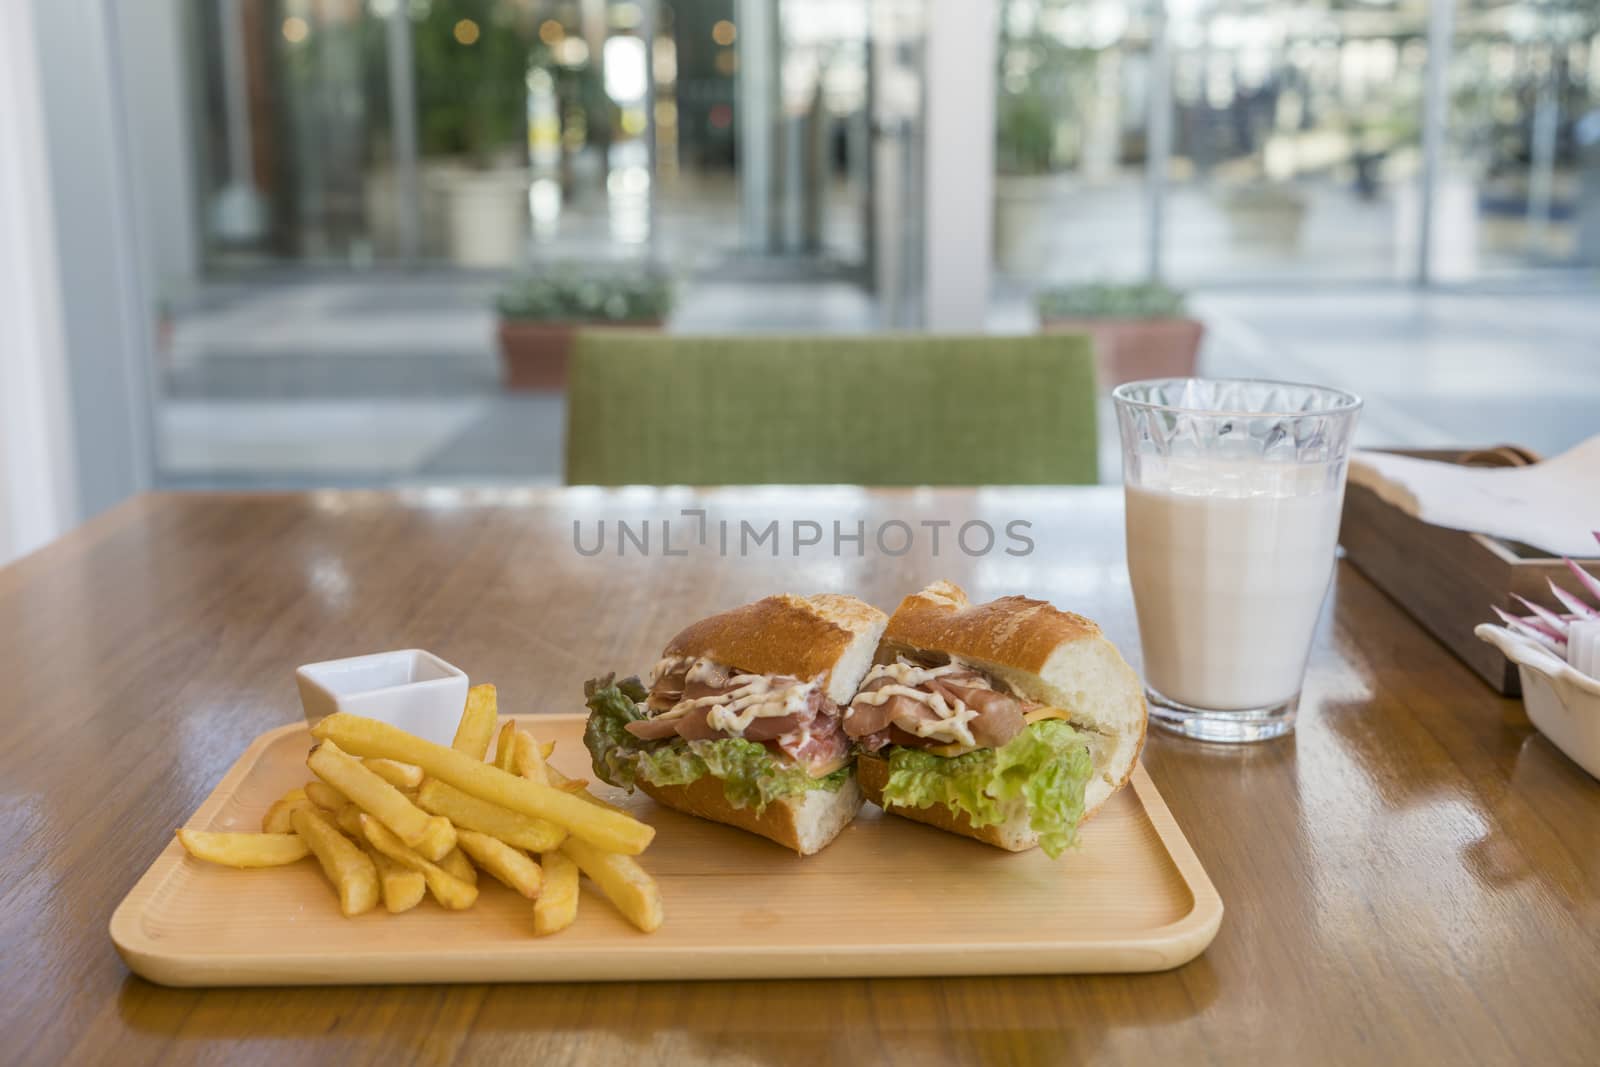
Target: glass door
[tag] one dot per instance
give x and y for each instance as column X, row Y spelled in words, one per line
column 1072, row 94
column 370, row 174
column 1521, row 182
column 828, row 106
column 1296, row 140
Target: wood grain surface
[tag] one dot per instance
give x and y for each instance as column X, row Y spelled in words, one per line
column 1412, row 877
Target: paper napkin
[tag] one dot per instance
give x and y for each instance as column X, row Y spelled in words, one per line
column 1550, row 505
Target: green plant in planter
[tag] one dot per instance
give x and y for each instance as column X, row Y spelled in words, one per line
column 1105, row 300
column 471, row 97
column 1040, row 111
column 578, row 293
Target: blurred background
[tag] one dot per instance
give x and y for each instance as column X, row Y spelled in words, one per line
column 291, row 243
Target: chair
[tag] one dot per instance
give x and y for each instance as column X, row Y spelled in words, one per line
column 654, row 409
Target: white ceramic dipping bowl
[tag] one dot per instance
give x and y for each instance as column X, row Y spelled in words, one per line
column 412, row 689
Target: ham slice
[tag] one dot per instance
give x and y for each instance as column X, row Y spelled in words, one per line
column 653, row 729
column 866, row 718
column 668, row 689
column 863, row 718
column 694, row 727
column 999, row 715
column 810, row 735
column 821, row 747
column 874, row 741
column 711, row 681
column 773, row 728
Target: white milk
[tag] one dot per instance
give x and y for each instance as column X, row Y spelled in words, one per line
column 1229, row 562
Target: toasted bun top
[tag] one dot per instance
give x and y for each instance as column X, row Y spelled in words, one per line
column 828, row 634
column 1047, row 655
column 1013, row 631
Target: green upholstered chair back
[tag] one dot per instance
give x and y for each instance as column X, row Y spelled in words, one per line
column 655, row 409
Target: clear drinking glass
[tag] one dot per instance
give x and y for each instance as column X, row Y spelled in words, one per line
column 1233, row 491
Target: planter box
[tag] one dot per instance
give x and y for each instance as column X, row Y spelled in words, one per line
column 1127, row 350
column 486, row 215
column 473, row 218
column 1023, row 205
column 533, row 355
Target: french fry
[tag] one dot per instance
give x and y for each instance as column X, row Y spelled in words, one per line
column 402, row 776
column 348, row 819
column 455, row 863
column 510, row 865
column 526, row 759
column 467, row 812
column 476, row 729
column 622, row 880
column 447, row 889
column 276, row 820
column 352, row 872
column 557, row 905
column 399, row 884
column 603, row 828
column 547, row 749
column 505, row 748
column 579, row 787
column 324, row 796
column 430, row 835
column 403, row 888
column 243, row 850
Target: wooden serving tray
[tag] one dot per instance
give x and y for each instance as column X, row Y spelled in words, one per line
column 889, row 897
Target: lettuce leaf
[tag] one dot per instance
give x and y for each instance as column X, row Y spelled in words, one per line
column 1042, row 771
column 612, row 705
column 750, row 775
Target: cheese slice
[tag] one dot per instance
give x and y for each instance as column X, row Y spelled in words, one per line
column 1041, row 714
column 828, row 768
column 956, row 749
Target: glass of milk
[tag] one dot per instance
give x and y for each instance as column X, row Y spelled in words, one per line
column 1233, row 492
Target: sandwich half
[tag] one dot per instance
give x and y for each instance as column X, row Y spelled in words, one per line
column 1010, row 722
column 741, row 722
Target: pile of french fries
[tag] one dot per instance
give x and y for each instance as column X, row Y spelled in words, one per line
column 392, row 818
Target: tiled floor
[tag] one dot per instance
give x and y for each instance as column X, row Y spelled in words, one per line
column 388, row 438
column 1435, row 369
column 351, row 383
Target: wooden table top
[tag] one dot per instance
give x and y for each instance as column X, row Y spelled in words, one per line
column 1411, row 877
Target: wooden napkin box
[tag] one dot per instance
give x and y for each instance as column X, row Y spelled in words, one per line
column 1449, row 580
